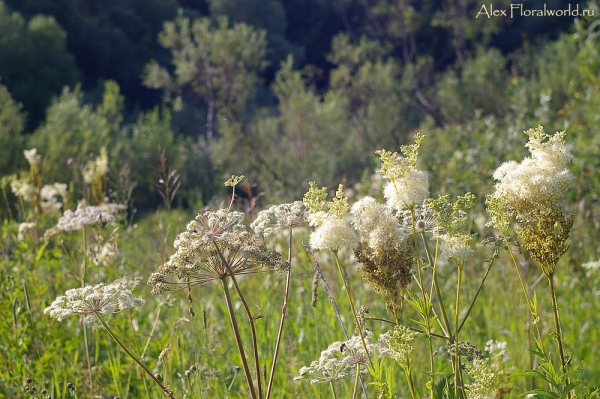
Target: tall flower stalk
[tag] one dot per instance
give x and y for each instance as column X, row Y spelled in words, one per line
column 533, row 191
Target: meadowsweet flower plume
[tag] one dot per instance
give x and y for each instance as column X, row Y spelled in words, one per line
column 332, row 231
column 407, row 186
column 534, row 191
column 103, row 299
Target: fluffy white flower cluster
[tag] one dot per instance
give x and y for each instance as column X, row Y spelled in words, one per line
column 332, row 231
column 96, row 169
column 333, row 234
column 22, row 188
column 378, row 228
column 84, row 215
column 279, row 217
column 407, row 191
column 32, row 156
column 103, row 254
column 497, row 348
column 88, row 301
column 539, row 181
column 49, row 193
column 591, row 265
column 25, row 228
column 340, row 359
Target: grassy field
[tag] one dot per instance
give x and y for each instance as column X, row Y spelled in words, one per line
column 185, row 337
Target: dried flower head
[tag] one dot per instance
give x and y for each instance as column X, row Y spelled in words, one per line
column 389, row 271
column 103, row 299
column 278, row 217
column 212, row 244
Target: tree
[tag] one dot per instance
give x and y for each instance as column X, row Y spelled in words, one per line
column 12, row 122
column 34, row 61
column 216, row 66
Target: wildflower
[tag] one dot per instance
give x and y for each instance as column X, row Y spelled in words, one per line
column 83, row 215
column 331, row 232
column 377, row 226
column 96, row 169
column 388, row 270
column 25, row 228
column 213, row 244
column 279, row 217
column 454, row 246
column 407, row 186
column 482, row 379
column 341, row 358
column 23, row 188
column 591, row 265
column 49, row 193
column 399, row 341
column 32, row 156
column 103, row 299
column 539, row 181
column 497, row 349
column 103, row 254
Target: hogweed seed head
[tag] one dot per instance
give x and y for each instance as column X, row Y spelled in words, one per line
column 213, row 244
column 103, row 299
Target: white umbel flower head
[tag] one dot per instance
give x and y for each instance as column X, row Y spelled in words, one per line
column 279, row 217
column 83, row 215
column 103, row 299
column 340, row 359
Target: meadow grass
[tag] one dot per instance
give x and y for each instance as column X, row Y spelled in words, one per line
column 193, row 352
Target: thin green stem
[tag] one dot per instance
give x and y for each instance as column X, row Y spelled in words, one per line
column 457, row 369
column 354, row 314
column 165, row 389
column 409, row 379
column 356, row 380
column 525, row 292
column 248, row 314
column 446, row 322
column 238, row 339
column 283, row 313
column 84, row 264
column 332, row 390
column 426, row 301
column 478, row 290
column 558, row 330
